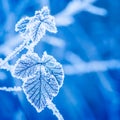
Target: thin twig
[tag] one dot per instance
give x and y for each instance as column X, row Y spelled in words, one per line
column 56, row 112
column 13, row 54
column 11, row 89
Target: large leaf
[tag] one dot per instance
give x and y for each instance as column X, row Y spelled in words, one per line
column 42, row 77
column 26, row 66
column 40, row 89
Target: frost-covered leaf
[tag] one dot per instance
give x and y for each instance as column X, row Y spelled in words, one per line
column 40, row 89
column 53, row 67
column 36, row 30
column 48, row 20
column 49, row 24
column 42, row 78
column 43, row 13
column 26, row 66
column 41, row 22
column 21, row 26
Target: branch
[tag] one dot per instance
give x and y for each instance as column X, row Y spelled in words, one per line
column 66, row 17
column 11, row 89
column 94, row 66
column 12, row 55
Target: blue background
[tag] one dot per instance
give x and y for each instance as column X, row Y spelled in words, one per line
column 88, row 47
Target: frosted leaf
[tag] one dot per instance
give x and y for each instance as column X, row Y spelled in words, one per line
column 21, row 26
column 43, row 13
column 53, row 67
column 43, row 86
column 26, row 66
column 41, row 22
column 40, row 89
column 36, row 30
column 48, row 20
column 42, row 78
column 49, row 24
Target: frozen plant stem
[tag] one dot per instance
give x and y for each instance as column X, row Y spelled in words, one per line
column 12, row 55
column 56, row 112
column 11, row 89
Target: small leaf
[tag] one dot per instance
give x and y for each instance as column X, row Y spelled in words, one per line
column 41, row 22
column 45, row 12
column 21, row 26
column 26, row 66
column 34, row 28
column 42, row 14
column 37, row 30
column 40, row 89
column 49, row 24
column 48, row 20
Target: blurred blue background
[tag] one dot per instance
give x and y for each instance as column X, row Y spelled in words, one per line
column 87, row 45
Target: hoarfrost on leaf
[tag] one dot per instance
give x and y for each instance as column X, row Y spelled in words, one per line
column 26, row 66
column 34, row 28
column 42, row 77
column 50, row 24
column 37, row 30
column 41, row 22
column 40, row 89
column 21, row 26
column 53, row 67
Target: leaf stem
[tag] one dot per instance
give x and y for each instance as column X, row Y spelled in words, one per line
column 56, row 112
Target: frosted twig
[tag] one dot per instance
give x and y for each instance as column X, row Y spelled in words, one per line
column 96, row 10
column 8, row 46
column 13, row 54
column 11, row 89
column 77, row 65
column 56, row 112
column 94, row 66
column 65, row 17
